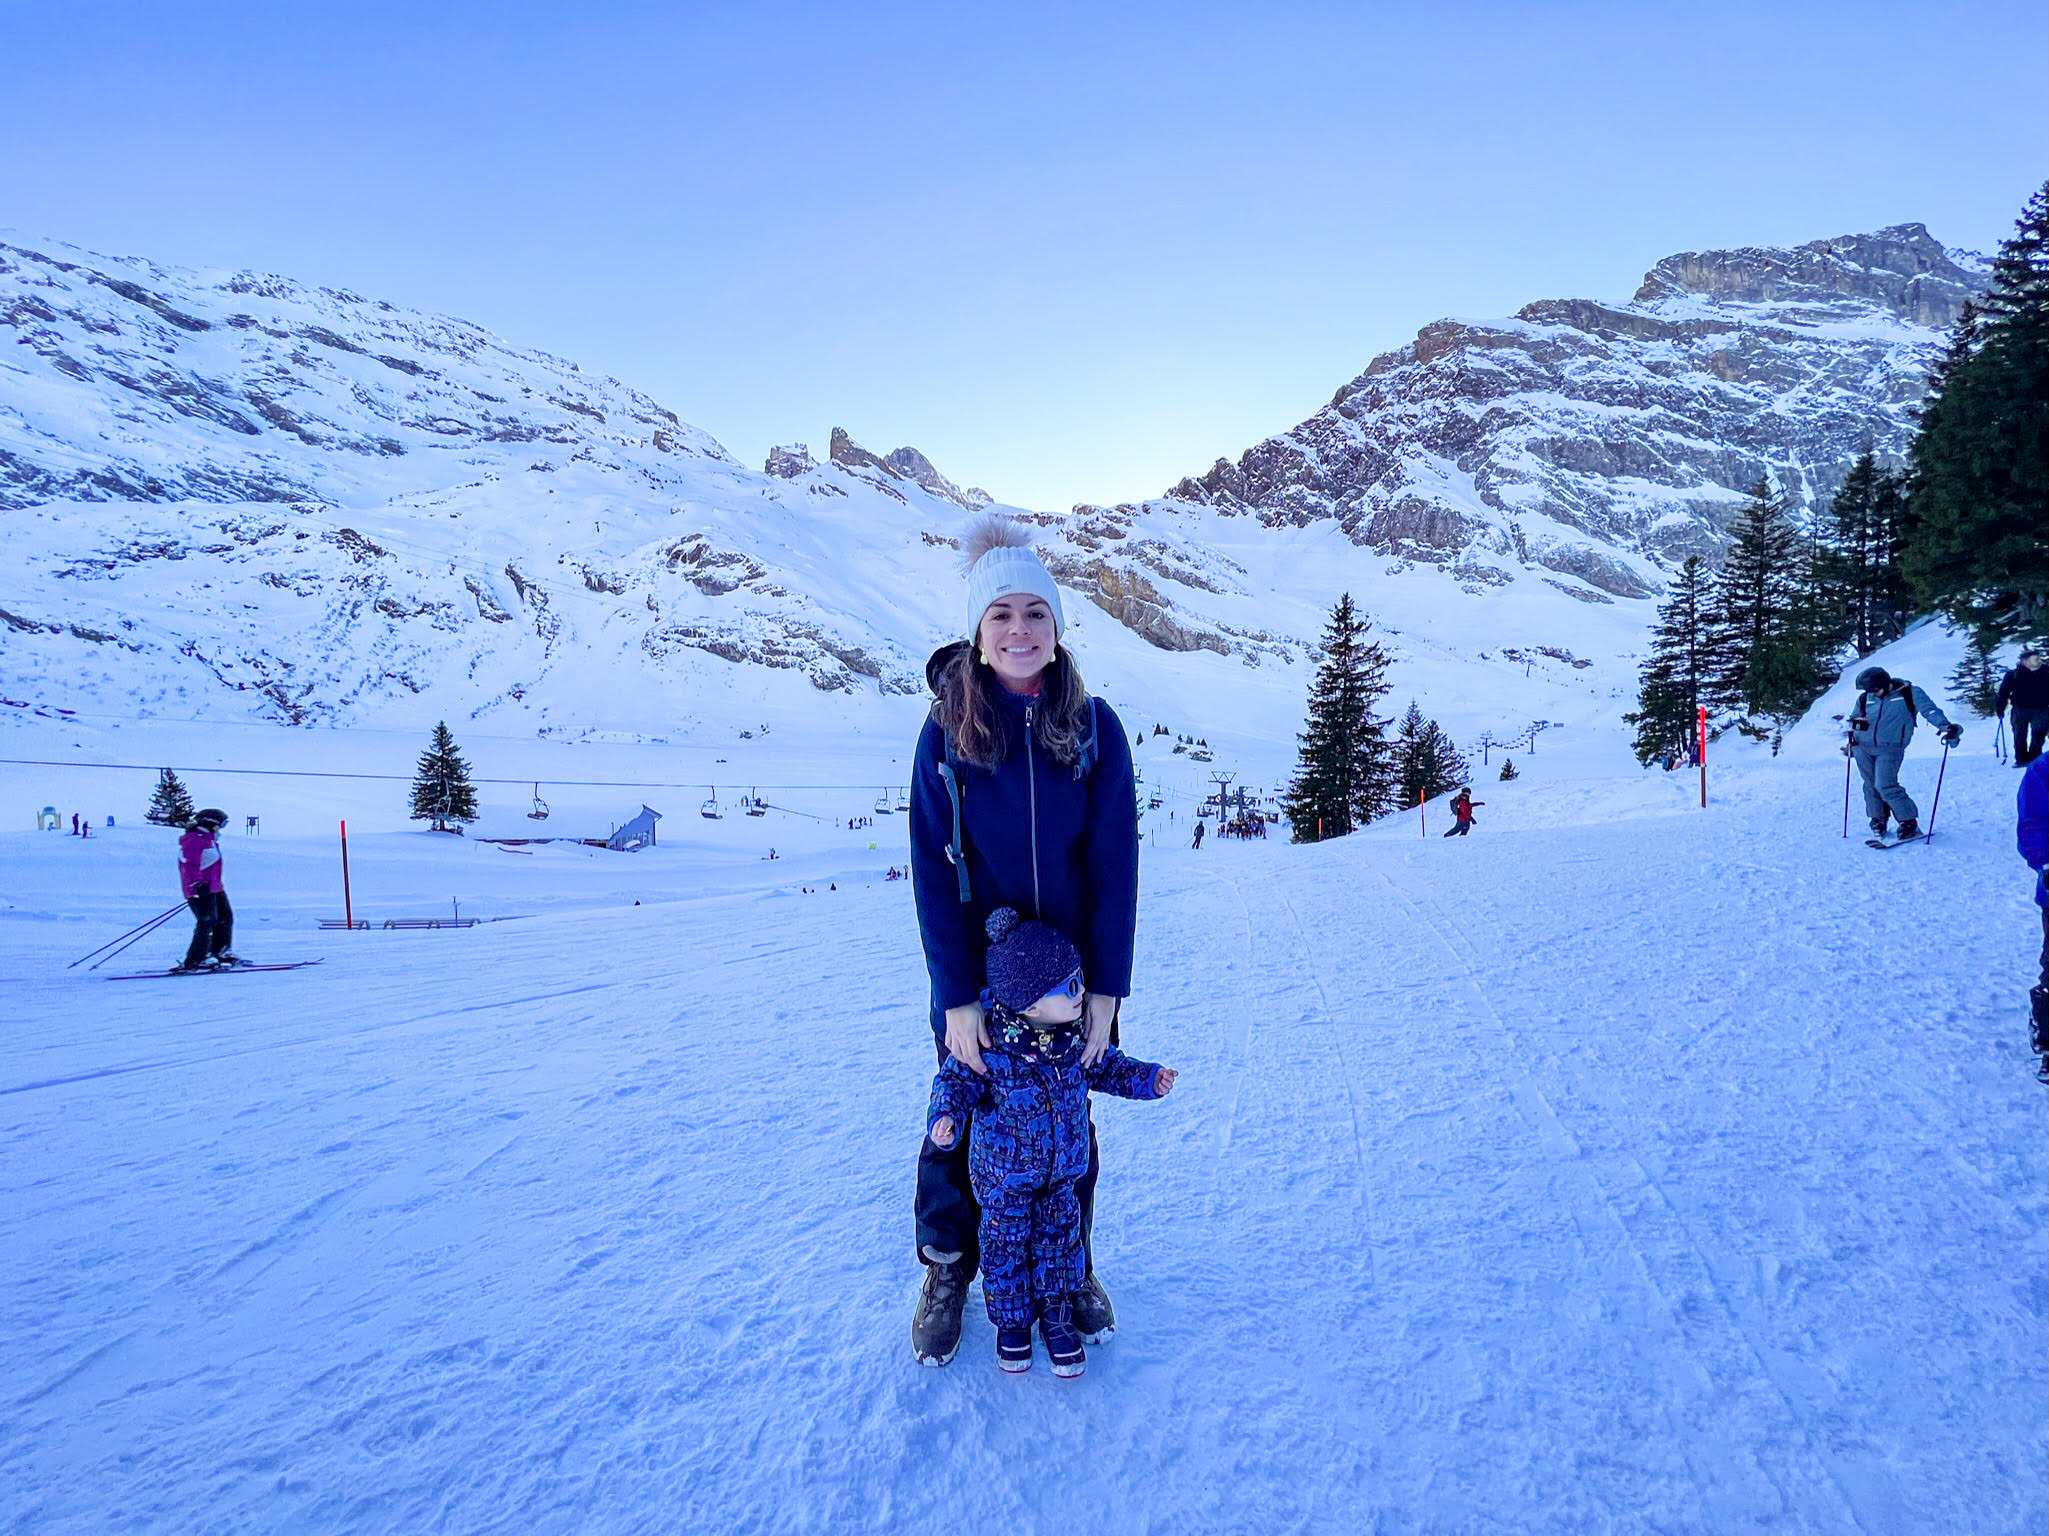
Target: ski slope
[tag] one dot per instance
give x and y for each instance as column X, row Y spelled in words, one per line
column 1622, row 1167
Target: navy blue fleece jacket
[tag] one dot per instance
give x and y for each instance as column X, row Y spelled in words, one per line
column 1058, row 847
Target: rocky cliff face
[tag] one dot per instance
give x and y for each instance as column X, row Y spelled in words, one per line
column 1603, row 442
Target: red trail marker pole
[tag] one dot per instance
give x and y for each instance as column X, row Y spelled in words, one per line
column 1703, row 755
column 1421, row 829
column 348, row 910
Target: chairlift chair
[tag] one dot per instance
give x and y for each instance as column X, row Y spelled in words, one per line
column 540, row 810
column 710, row 809
column 903, row 800
column 882, row 803
column 1153, row 804
column 755, row 806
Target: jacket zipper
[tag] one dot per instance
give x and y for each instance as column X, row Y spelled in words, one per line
column 1032, row 781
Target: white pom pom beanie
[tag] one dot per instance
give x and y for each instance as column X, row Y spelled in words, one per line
column 1006, row 569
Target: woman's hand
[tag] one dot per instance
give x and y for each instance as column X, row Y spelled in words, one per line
column 967, row 1036
column 1102, row 1014
column 942, row 1131
column 1163, row 1084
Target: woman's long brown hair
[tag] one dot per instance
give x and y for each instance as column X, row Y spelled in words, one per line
column 968, row 707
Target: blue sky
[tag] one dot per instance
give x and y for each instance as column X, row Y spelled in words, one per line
column 1071, row 252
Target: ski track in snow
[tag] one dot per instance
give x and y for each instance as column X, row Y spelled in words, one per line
column 1674, row 1173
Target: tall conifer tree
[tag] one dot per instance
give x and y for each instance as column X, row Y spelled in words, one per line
column 1676, row 675
column 1343, row 776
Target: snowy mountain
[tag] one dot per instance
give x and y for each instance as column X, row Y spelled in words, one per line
column 227, row 494
column 1601, row 441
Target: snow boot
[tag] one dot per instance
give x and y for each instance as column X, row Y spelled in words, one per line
column 200, row 968
column 1014, row 1350
column 1879, row 824
column 1094, row 1318
column 2038, row 1002
column 1063, row 1344
column 1909, row 830
column 225, row 958
column 935, row 1327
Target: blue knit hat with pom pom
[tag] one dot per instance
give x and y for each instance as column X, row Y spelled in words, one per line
column 1026, row 959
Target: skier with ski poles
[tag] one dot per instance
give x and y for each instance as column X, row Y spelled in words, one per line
column 2031, row 837
column 1462, row 805
column 1881, row 725
column 199, row 881
column 2025, row 691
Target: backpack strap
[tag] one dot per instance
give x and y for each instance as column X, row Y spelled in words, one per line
column 949, row 772
column 1085, row 760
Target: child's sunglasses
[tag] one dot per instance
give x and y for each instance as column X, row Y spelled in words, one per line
column 1072, row 987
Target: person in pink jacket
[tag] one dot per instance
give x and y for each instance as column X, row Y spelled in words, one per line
column 199, row 881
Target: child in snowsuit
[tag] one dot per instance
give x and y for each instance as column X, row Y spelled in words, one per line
column 1462, row 805
column 199, row 881
column 1031, row 1135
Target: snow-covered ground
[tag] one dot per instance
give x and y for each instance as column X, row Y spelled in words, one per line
column 1624, row 1166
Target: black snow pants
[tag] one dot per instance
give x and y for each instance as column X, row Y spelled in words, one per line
column 213, row 929
column 949, row 1219
column 2029, row 728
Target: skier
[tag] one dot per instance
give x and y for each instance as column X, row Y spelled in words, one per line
column 1199, row 825
column 2025, row 691
column 1880, row 727
column 199, row 879
column 74, row 823
column 1031, row 1135
column 2031, row 835
column 1462, row 805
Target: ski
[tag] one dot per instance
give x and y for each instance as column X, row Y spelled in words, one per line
column 1880, row 843
column 219, row 970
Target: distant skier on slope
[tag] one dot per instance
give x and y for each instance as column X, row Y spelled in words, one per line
column 1199, row 826
column 1462, row 805
column 2025, row 691
column 1030, row 1146
column 1880, row 727
column 2031, row 836
column 199, row 881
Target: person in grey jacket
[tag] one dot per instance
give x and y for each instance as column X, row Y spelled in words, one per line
column 1880, row 728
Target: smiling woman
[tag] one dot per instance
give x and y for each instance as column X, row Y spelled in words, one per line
column 1021, row 796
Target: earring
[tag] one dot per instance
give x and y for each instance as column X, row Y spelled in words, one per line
column 982, row 656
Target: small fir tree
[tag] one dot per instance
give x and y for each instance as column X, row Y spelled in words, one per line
column 1343, row 776
column 442, row 792
column 1508, row 770
column 1676, row 676
column 1975, row 682
column 1769, row 656
column 171, row 805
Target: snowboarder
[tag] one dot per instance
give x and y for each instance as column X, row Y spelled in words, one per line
column 2025, row 691
column 199, row 880
column 1462, row 805
column 1880, row 727
column 2031, row 836
column 1031, row 1135
column 1022, row 796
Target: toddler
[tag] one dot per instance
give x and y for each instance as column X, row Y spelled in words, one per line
column 1031, row 1135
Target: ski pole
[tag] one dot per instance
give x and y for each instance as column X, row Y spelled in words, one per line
column 134, row 932
column 1999, row 740
column 1937, row 803
column 1846, row 791
column 152, row 928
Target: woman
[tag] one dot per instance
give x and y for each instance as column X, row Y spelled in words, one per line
column 1021, row 796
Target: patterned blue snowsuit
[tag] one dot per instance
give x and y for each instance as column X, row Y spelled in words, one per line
column 1030, row 1145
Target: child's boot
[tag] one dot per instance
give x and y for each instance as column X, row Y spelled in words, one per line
column 1014, row 1349
column 1063, row 1344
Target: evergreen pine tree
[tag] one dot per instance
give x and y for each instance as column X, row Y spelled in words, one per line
column 1768, row 656
column 1977, row 545
column 1442, row 766
column 1343, row 775
column 171, row 805
column 1675, row 677
column 442, row 792
column 1849, row 568
column 1508, row 770
column 1408, row 756
column 1975, row 682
